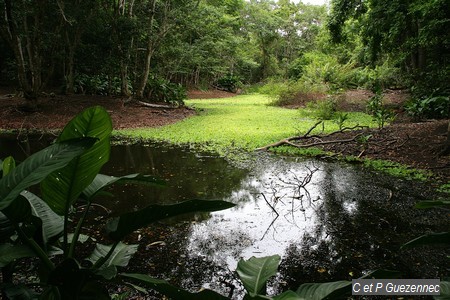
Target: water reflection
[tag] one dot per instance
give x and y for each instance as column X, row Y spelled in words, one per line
column 274, row 207
column 328, row 221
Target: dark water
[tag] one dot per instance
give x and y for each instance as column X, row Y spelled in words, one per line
column 328, row 221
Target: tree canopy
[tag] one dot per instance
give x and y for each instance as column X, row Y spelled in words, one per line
column 145, row 48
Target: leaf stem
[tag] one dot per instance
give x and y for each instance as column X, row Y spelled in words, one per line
column 78, row 230
column 35, row 247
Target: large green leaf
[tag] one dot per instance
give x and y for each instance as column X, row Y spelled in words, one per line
column 61, row 188
column 338, row 289
column 19, row 210
column 6, row 228
column 120, row 256
column 173, row 292
column 255, row 272
column 38, row 166
column 102, row 181
column 445, row 291
column 432, row 204
column 121, row 226
column 52, row 223
column 288, row 295
column 10, row 252
column 8, row 164
column 327, row 290
column 429, row 239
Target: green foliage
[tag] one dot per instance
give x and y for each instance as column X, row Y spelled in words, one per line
column 230, row 83
column 159, row 89
column 304, row 152
column 396, row 169
column 323, row 109
column 431, row 239
column 254, row 124
column 340, row 118
column 96, row 85
column 256, row 271
column 380, row 113
column 37, row 167
column 30, row 227
column 364, row 140
column 294, row 92
column 62, row 187
column 445, row 188
column 389, row 29
column 436, row 107
column 254, row 274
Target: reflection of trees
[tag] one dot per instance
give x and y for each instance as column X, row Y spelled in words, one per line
column 361, row 228
column 23, row 145
column 188, row 175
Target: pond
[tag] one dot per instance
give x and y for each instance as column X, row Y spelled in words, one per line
column 327, row 220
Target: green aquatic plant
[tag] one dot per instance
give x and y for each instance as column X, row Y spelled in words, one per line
column 243, row 123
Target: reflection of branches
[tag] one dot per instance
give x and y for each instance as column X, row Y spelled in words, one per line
column 274, row 210
column 298, row 185
column 292, row 185
column 270, row 205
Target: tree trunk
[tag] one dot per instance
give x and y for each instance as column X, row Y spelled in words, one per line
column 148, row 57
column 144, row 78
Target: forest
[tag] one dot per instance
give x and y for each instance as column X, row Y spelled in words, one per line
column 258, row 149
column 147, row 49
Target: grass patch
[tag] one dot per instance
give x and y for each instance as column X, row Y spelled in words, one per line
column 387, row 167
column 397, row 169
column 244, row 122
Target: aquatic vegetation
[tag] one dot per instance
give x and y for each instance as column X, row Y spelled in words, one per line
column 397, row 169
column 243, row 122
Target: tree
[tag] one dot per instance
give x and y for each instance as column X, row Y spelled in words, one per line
column 263, row 26
column 416, row 33
column 30, row 29
column 75, row 17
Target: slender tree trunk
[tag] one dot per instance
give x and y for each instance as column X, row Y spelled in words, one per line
column 148, row 57
column 146, row 73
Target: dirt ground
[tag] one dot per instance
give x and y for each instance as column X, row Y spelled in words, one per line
column 418, row 144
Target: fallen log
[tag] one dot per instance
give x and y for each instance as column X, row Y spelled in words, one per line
column 153, row 105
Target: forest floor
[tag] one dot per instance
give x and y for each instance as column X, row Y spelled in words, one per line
column 406, row 141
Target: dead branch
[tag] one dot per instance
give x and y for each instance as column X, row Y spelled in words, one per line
column 156, row 105
column 288, row 141
column 312, row 128
column 328, row 142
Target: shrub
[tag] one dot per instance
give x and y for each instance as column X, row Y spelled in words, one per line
column 432, row 107
column 159, row 89
column 97, row 84
column 379, row 112
column 230, row 83
column 323, row 109
column 294, row 92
